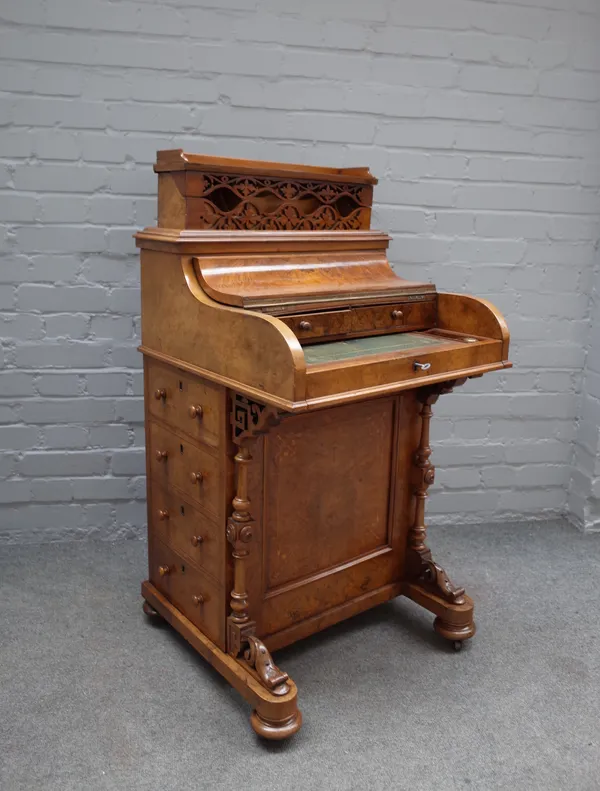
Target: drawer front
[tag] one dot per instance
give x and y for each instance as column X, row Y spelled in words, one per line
column 188, row 531
column 319, row 325
column 419, row 314
column 191, row 591
column 180, row 463
column 414, row 368
column 188, row 403
column 403, row 315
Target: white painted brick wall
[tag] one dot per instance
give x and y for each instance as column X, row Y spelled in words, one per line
column 481, row 119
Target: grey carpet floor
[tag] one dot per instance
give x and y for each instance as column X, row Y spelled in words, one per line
column 93, row 697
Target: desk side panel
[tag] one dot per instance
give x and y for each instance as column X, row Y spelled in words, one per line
column 179, row 320
column 473, row 316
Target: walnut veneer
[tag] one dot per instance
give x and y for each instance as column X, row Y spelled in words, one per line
column 289, row 383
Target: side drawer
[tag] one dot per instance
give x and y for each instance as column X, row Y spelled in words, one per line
column 179, row 462
column 319, row 325
column 188, row 531
column 188, row 403
column 191, row 591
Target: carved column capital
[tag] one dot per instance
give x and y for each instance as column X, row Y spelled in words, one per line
column 239, row 533
column 249, row 418
column 430, row 393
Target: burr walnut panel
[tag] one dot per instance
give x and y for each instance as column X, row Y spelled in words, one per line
column 177, row 462
column 190, row 404
column 186, row 530
column 341, row 508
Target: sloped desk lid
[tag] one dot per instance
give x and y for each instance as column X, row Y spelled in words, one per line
column 316, row 277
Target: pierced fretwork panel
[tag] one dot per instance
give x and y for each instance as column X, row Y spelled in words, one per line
column 224, row 201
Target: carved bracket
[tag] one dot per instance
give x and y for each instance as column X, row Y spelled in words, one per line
column 434, row 576
column 269, row 674
column 249, row 418
column 420, row 565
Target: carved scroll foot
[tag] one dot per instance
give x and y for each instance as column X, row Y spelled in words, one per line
column 274, row 716
column 426, row 572
column 269, row 674
column 276, row 730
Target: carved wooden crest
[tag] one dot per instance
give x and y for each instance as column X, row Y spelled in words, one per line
column 261, row 203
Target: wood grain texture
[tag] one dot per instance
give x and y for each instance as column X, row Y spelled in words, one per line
column 341, row 511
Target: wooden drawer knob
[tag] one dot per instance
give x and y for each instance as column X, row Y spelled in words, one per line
column 162, row 514
column 195, row 411
column 197, row 540
column 397, row 314
column 164, row 570
column 161, row 393
column 199, row 599
column 196, row 477
column 162, row 455
column 305, row 325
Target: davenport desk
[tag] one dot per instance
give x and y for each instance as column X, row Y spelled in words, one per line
column 289, row 380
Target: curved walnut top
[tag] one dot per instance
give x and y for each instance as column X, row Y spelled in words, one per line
column 283, row 283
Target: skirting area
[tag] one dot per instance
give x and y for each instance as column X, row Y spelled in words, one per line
column 93, row 697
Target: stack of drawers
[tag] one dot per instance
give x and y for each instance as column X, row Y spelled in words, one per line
column 187, row 494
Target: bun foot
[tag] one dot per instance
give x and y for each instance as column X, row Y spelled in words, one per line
column 453, row 632
column 152, row 614
column 276, row 730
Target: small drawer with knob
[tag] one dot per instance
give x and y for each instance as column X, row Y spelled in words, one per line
column 394, row 317
column 188, row 588
column 318, row 325
column 187, row 530
column 190, row 404
column 176, row 461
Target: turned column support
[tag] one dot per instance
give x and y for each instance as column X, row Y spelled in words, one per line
column 249, row 419
column 239, row 535
column 421, row 567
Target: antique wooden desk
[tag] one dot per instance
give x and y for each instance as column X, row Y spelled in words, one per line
column 289, row 379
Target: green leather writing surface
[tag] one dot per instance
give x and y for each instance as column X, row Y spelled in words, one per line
column 360, row 347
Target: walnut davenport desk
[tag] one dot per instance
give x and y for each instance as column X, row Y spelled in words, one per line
column 289, row 380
